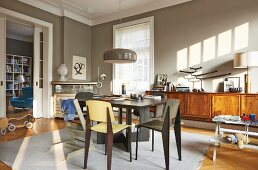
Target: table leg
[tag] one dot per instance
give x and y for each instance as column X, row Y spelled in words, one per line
column 128, row 133
column 129, row 116
column 144, row 134
column 214, row 152
column 120, row 116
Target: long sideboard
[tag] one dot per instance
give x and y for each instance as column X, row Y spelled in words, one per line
column 204, row 106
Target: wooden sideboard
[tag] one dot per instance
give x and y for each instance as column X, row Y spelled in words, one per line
column 204, row 106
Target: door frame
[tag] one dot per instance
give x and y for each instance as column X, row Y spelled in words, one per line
column 48, row 27
column 3, row 68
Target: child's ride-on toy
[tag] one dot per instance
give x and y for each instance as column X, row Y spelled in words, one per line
column 3, row 125
column 28, row 123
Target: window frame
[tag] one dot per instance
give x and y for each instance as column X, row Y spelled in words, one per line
column 131, row 23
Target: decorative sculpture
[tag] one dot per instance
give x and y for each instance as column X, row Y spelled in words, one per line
column 62, row 71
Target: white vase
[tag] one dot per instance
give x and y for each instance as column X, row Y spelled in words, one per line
column 62, row 71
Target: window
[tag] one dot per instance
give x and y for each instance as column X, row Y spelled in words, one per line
column 139, row 37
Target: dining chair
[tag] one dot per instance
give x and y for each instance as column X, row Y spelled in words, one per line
column 171, row 116
column 77, row 130
column 101, row 112
column 82, row 97
column 153, row 109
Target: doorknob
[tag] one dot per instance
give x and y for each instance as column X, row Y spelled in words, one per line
column 2, row 83
column 37, row 83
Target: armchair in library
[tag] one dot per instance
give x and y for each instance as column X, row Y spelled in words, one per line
column 25, row 100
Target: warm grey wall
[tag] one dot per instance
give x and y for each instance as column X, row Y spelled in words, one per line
column 70, row 37
column 76, row 41
column 181, row 26
column 19, row 47
column 43, row 15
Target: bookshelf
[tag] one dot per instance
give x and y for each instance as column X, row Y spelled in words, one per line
column 15, row 65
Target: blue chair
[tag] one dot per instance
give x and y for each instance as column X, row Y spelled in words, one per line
column 24, row 101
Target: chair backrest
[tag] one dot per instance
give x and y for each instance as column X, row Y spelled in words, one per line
column 27, row 92
column 80, row 114
column 83, row 96
column 173, row 105
column 98, row 110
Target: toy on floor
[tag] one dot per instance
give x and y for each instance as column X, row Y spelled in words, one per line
column 28, row 122
column 240, row 140
column 3, row 125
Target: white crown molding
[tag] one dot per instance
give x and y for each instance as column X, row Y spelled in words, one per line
column 51, row 8
column 139, row 10
column 67, row 9
column 77, row 17
column 60, row 10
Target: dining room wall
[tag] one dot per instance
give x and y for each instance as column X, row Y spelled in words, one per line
column 188, row 28
column 76, row 42
column 69, row 37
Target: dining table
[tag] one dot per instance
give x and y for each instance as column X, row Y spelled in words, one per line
column 127, row 104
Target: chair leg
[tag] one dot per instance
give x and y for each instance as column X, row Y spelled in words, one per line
column 109, row 144
column 177, row 131
column 152, row 140
column 87, row 145
column 106, row 144
column 178, row 143
column 129, row 131
column 136, row 148
column 165, row 139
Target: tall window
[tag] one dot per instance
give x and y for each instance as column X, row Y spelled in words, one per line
column 139, row 37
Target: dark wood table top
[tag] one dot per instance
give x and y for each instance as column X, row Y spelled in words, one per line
column 137, row 104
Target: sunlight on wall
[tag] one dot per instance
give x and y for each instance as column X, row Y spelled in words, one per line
column 21, row 154
column 189, row 76
column 241, row 36
column 224, row 43
column 212, row 48
column 209, row 49
column 182, row 59
column 195, row 54
column 198, row 84
column 183, row 81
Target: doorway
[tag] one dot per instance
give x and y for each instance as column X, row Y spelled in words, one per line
column 19, row 68
column 42, row 89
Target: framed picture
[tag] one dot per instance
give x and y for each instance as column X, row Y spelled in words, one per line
column 79, row 68
column 161, row 79
column 231, row 82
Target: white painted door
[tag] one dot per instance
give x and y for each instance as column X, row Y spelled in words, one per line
column 2, row 66
column 38, row 73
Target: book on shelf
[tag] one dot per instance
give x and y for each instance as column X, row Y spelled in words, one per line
column 8, row 68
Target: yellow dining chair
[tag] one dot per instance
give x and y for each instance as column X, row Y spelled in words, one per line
column 101, row 112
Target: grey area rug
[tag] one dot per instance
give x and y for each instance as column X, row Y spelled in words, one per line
column 32, row 153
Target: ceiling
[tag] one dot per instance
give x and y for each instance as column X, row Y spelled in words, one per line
column 19, row 31
column 93, row 12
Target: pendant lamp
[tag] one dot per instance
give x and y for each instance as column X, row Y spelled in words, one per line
column 120, row 55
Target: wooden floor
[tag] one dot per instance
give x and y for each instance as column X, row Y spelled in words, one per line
column 228, row 157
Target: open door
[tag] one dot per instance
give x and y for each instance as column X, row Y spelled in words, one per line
column 2, row 66
column 38, row 73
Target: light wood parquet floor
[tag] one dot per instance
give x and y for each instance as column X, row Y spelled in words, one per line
column 228, row 157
